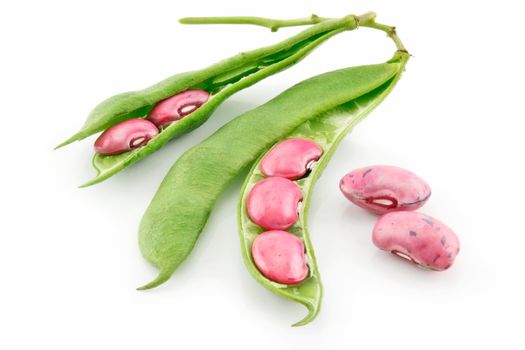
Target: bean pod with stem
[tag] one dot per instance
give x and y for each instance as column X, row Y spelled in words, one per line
column 334, row 101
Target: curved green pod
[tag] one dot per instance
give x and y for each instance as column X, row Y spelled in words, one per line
column 327, row 130
column 181, row 206
column 221, row 80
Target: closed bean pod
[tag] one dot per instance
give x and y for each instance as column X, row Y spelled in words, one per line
column 417, row 237
column 291, row 158
column 273, row 203
column 125, row 136
column 279, row 256
column 177, row 107
column 382, row 189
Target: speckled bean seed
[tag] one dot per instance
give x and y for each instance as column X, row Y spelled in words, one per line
column 273, row 203
column 280, row 257
column 417, row 237
column 291, row 158
column 125, row 136
column 382, row 189
column 177, row 107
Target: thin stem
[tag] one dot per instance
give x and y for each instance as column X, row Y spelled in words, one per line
column 365, row 20
column 273, row 24
column 368, row 20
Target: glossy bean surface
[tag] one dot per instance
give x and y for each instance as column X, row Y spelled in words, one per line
column 177, row 107
column 417, row 237
column 125, row 136
column 382, row 189
column 273, row 203
column 291, row 158
column 279, row 255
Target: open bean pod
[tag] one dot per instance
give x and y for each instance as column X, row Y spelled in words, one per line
column 326, row 129
column 220, row 80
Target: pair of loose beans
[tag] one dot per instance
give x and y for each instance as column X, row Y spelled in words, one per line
column 137, row 132
column 273, row 203
column 395, row 193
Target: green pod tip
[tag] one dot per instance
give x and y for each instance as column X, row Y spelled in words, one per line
column 78, row 136
column 162, row 277
column 313, row 310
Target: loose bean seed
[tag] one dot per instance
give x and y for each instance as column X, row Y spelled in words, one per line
column 381, row 189
column 417, row 237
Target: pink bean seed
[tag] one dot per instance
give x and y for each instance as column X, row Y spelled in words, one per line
column 177, row 107
column 417, row 237
column 382, row 189
column 273, row 203
column 280, row 257
column 125, row 136
column 291, row 158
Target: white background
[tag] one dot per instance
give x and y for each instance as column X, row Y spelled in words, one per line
column 69, row 259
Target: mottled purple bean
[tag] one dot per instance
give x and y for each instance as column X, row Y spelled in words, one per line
column 273, row 203
column 125, row 136
column 280, row 257
column 177, row 107
column 417, row 237
column 291, row 158
column 382, row 189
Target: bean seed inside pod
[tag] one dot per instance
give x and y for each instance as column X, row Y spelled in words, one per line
column 417, row 237
column 382, row 189
column 291, row 158
column 125, row 136
column 177, row 107
column 273, row 203
column 280, row 257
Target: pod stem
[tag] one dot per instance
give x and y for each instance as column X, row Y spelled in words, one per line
column 364, row 20
column 369, row 20
column 273, row 24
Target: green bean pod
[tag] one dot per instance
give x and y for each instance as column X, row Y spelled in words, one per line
column 327, row 130
column 221, row 80
column 181, row 206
